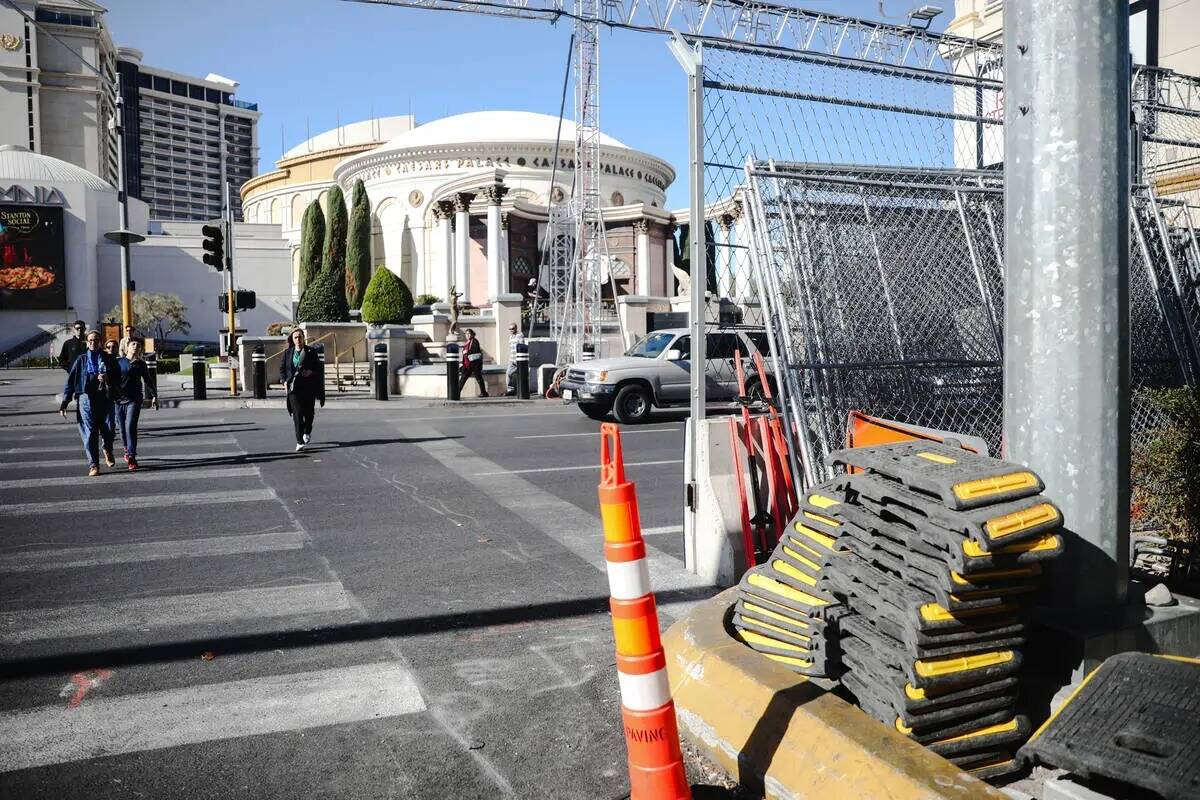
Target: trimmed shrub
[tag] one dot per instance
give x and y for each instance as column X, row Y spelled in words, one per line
column 325, row 300
column 1166, row 462
column 312, row 243
column 427, row 299
column 168, row 365
column 333, row 258
column 190, row 348
column 279, row 328
column 358, row 247
column 387, row 300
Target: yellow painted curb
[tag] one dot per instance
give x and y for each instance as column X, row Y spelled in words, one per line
column 776, row 731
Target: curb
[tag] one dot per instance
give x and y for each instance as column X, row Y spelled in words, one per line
column 779, row 733
column 337, row 404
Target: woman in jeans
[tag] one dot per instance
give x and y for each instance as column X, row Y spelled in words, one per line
column 134, row 385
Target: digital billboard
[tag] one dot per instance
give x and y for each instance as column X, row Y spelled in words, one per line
column 33, row 270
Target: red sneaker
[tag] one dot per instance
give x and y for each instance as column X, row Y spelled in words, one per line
column 131, row 462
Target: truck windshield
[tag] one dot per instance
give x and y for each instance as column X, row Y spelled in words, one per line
column 652, row 346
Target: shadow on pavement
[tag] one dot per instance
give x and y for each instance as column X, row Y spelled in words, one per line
column 332, row 634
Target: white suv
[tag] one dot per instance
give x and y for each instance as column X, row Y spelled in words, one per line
column 657, row 372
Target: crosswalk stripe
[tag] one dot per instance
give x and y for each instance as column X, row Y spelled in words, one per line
column 96, row 619
column 71, row 557
column 142, row 476
column 143, row 460
column 207, row 713
column 155, row 443
column 128, row 501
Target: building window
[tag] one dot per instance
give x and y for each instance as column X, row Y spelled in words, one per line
column 161, row 84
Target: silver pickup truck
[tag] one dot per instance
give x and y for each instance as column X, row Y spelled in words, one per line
column 657, row 372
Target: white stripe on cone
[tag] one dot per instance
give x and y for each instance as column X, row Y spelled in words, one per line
column 644, row 692
column 628, row 580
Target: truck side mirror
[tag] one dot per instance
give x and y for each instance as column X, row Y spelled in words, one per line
column 674, row 355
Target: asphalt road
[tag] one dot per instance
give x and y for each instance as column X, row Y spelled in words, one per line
column 415, row 607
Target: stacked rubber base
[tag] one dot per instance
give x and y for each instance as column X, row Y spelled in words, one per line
column 907, row 580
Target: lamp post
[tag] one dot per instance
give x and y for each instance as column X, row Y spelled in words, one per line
column 123, row 236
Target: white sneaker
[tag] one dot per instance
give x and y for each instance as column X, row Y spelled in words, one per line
column 299, row 447
column 305, row 438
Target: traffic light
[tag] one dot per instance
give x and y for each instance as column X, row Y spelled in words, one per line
column 214, row 246
column 244, row 300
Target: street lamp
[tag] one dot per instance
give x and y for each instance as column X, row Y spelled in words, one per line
column 123, row 236
column 925, row 14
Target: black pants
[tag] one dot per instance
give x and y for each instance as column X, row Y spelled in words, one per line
column 303, row 410
column 475, row 371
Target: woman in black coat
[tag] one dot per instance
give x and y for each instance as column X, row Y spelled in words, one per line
column 302, row 372
column 134, row 387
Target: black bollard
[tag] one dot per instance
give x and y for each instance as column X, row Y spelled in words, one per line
column 381, row 371
column 522, row 359
column 152, row 369
column 259, row 357
column 199, row 375
column 451, row 371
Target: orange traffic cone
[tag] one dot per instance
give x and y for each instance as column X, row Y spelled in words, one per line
column 651, row 732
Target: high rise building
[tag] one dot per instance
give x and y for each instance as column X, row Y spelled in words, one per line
column 185, row 138
column 51, row 99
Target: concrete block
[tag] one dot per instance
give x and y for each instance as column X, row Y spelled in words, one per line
column 717, row 538
column 1068, row 787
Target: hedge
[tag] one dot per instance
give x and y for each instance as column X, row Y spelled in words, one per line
column 387, row 300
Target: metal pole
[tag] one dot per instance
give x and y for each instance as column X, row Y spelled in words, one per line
column 232, row 341
column 126, row 278
column 691, row 59
column 1066, row 359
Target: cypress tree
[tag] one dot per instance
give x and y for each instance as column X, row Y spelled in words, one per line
column 312, row 242
column 336, row 223
column 358, row 247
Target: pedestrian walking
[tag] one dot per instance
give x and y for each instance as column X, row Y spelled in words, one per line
column 515, row 338
column 134, row 387
column 73, row 348
column 302, row 372
column 91, row 383
column 472, row 364
column 109, row 431
column 130, row 334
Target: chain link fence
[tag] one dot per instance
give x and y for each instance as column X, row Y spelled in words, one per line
column 855, row 208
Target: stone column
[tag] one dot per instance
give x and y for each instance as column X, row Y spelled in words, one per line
column 642, row 250
column 669, row 260
column 443, row 271
column 462, row 244
column 744, row 290
column 504, row 251
column 497, row 285
column 726, row 275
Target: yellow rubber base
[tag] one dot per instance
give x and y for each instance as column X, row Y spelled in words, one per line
column 771, row 728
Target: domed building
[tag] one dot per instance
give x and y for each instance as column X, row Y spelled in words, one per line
column 463, row 201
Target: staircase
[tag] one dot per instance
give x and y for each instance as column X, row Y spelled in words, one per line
column 15, row 353
column 349, row 376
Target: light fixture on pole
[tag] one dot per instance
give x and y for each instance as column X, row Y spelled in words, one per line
column 925, row 14
column 123, row 236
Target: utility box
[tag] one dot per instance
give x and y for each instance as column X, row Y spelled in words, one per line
column 541, row 351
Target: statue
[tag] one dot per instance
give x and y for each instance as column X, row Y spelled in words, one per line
column 454, row 311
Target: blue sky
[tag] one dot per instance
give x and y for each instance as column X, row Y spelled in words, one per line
column 305, row 62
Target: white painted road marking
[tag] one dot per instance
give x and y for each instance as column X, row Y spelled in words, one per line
column 662, row 529
column 93, row 619
column 452, row 415
column 624, row 432
column 143, row 460
column 273, row 704
column 564, row 522
column 565, row 469
column 131, row 552
column 124, row 502
column 142, row 476
column 156, row 443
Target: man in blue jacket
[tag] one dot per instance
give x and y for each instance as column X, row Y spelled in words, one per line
column 91, row 381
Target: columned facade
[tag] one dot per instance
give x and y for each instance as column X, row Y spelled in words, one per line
column 443, row 246
column 497, row 279
column 641, row 229
column 462, row 246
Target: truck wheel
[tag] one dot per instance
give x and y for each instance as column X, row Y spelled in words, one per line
column 596, row 411
column 632, row 404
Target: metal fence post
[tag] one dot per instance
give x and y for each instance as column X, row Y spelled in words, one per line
column 1066, row 360
column 381, row 371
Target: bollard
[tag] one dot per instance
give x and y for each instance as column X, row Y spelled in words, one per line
column 199, row 375
column 522, row 359
column 320, row 348
column 651, row 731
column 152, row 369
column 259, row 357
column 381, row 371
column 451, row 371
column 589, row 352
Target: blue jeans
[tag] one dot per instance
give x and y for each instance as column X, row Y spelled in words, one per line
column 127, row 416
column 92, row 413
